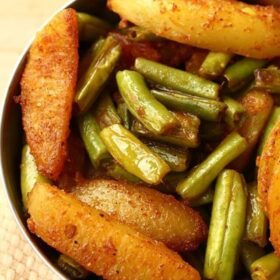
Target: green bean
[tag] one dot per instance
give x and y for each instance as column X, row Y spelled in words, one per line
column 124, row 115
column 206, row 198
column 234, row 113
column 89, row 131
column 194, row 63
column 273, row 119
column 89, row 56
column 266, row 268
column 177, row 79
column 185, row 135
column 214, row 64
column 226, row 226
column 256, row 223
column 250, row 252
column 99, row 71
column 71, row 268
column 258, row 106
column 170, row 182
column 206, row 109
column 29, row 174
column 137, row 33
column 91, row 27
column 242, row 71
column 268, row 79
column 200, row 177
column 115, row 171
column 105, row 112
column 133, row 155
column 142, row 104
column 177, row 159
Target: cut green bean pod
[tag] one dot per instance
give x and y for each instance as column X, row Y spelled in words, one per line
column 29, row 174
column 256, row 221
column 99, row 71
column 206, row 198
column 268, row 79
column 206, row 109
column 186, row 135
column 273, row 119
column 91, row 27
column 214, row 64
column 105, row 112
column 133, row 155
column 241, row 72
column 226, row 226
column 89, row 131
column 234, row 113
column 138, row 34
column 177, row 159
column 124, row 115
column 177, row 79
column 89, row 56
column 200, row 177
column 142, row 104
column 71, row 268
column 266, row 268
column 194, row 63
column 170, row 182
column 250, row 252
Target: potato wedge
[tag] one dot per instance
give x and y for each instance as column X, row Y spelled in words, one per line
column 47, row 90
column 98, row 242
column 267, row 165
column 157, row 215
column 224, row 26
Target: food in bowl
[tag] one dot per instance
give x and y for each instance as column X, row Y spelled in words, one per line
column 136, row 144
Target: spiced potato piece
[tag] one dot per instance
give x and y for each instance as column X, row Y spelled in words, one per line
column 99, row 242
column 157, row 215
column 223, row 26
column 47, row 90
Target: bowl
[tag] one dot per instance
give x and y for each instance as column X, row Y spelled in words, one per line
column 11, row 139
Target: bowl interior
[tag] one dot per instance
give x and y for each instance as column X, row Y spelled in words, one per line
column 11, row 139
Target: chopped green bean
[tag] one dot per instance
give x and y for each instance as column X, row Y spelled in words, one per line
column 177, row 79
column 91, row 83
column 268, row 79
column 273, row 119
column 234, row 113
column 124, row 115
column 206, row 109
column 214, row 64
column 242, row 71
column 170, row 182
column 256, row 223
column 200, row 178
column 91, row 27
column 29, row 174
column 137, row 33
column 194, row 63
column 267, row 268
column 185, row 135
column 105, row 112
column 142, row 104
column 89, row 130
column 133, row 155
column 226, row 226
column 71, row 268
column 206, row 198
column 250, row 252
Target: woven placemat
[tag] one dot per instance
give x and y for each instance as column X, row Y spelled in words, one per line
column 17, row 259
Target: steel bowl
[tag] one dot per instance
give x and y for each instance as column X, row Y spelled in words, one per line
column 11, row 138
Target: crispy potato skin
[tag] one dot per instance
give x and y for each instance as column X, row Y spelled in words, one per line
column 157, row 215
column 99, row 242
column 227, row 26
column 47, row 90
column 267, row 165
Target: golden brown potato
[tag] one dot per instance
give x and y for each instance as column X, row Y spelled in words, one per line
column 227, row 26
column 267, row 162
column 48, row 87
column 98, row 242
column 157, row 215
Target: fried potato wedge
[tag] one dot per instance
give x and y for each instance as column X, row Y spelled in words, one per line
column 98, row 242
column 226, row 26
column 157, row 215
column 268, row 161
column 47, row 90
